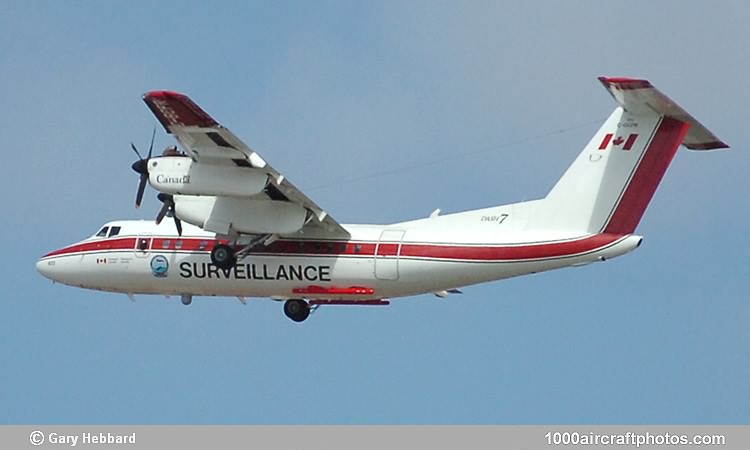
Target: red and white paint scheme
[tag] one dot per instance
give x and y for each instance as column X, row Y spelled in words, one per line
column 249, row 232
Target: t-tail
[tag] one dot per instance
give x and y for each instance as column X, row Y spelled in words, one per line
column 609, row 186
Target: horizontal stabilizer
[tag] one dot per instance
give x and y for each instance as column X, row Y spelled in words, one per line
column 639, row 97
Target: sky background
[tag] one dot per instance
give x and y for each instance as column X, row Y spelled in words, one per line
column 380, row 111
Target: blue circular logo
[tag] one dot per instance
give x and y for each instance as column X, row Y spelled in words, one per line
column 159, row 266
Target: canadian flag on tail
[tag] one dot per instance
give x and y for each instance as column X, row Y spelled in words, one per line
column 629, row 142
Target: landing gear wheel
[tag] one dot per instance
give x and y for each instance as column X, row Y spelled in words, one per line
column 297, row 310
column 222, row 256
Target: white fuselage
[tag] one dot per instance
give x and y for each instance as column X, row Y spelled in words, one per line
column 377, row 262
column 286, row 247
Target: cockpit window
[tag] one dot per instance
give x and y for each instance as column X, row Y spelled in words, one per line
column 102, row 232
column 114, row 231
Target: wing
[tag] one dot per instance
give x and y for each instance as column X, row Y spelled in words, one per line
column 207, row 142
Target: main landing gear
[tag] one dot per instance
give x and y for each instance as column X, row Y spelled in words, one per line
column 296, row 309
column 226, row 256
column 222, row 256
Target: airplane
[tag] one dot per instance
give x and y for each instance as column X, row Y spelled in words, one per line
column 240, row 228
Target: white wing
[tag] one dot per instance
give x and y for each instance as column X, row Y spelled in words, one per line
column 207, row 142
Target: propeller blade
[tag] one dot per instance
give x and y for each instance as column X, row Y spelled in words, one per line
column 177, row 223
column 135, row 150
column 141, row 167
column 151, row 147
column 162, row 212
column 141, row 189
column 168, row 205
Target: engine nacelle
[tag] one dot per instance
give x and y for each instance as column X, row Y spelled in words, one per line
column 250, row 216
column 182, row 176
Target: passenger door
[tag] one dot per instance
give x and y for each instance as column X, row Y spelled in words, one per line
column 387, row 253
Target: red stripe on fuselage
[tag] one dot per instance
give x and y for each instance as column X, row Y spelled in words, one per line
column 510, row 253
column 364, row 249
column 647, row 177
column 385, row 249
column 96, row 246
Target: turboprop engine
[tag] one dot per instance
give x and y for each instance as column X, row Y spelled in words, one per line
column 224, row 215
column 180, row 175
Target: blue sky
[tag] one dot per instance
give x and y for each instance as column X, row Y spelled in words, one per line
column 340, row 96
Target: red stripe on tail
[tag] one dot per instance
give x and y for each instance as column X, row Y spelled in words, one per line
column 647, row 176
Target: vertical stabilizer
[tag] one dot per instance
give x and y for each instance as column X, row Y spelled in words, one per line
column 609, row 185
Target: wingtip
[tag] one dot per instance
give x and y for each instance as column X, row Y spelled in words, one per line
column 715, row 145
column 163, row 94
column 176, row 109
column 625, row 82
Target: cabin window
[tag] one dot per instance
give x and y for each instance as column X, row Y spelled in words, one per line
column 178, row 244
column 203, row 245
column 343, row 248
column 166, row 243
column 103, row 232
column 357, row 248
column 143, row 244
column 114, row 231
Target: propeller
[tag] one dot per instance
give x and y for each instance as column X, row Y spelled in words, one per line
column 168, row 209
column 141, row 167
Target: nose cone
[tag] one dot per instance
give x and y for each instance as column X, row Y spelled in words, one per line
column 47, row 268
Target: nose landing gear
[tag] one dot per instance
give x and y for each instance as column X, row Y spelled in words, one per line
column 296, row 309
